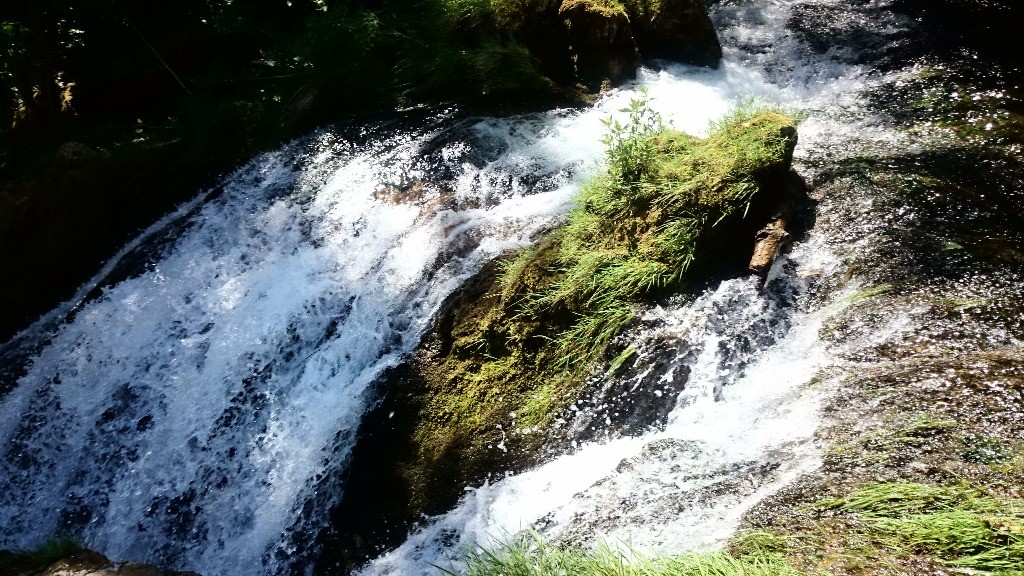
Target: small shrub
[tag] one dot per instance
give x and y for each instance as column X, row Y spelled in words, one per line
column 629, row 149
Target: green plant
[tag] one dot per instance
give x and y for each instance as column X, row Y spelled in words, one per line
column 628, row 147
column 530, row 555
column 960, row 525
column 638, row 228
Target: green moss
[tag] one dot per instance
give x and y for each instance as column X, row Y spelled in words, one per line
column 985, row 450
column 606, row 8
column 909, row 434
column 512, row 15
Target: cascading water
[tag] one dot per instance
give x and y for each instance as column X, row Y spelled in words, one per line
column 179, row 417
column 186, row 413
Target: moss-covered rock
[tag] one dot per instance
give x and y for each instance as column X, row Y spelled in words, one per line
column 501, row 366
column 513, row 349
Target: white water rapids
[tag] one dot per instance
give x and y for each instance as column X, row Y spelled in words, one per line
column 184, row 416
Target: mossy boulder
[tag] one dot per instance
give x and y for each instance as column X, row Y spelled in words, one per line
column 501, row 366
column 512, row 351
column 535, row 25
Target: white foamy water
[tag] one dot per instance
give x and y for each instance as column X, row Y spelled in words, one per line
column 187, row 414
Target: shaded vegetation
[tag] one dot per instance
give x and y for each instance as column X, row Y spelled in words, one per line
column 111, row 112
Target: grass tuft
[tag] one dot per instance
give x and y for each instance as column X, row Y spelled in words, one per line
column 531, row 556
column 959, row 525
column 638, row 228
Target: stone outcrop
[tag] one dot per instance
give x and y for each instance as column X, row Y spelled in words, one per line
column 597, row 43
column 675, row 30
column 601, row 42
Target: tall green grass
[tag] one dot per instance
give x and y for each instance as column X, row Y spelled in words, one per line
column 531, row 556
column 960, row 525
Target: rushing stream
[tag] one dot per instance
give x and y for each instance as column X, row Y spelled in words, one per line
column 187, row 411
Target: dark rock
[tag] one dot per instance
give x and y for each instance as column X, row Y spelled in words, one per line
column 536, row 26
column 771, row 240
column 990, row 27
column 600, row 41
column 678, row 30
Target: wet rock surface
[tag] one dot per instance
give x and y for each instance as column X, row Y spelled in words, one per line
column 928, row 388
column 601, row 43
column 677, row 30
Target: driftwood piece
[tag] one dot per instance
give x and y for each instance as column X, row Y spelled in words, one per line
column 769, row 243
column 771, row 240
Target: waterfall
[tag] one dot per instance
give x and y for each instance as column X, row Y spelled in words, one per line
column 184, row 412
